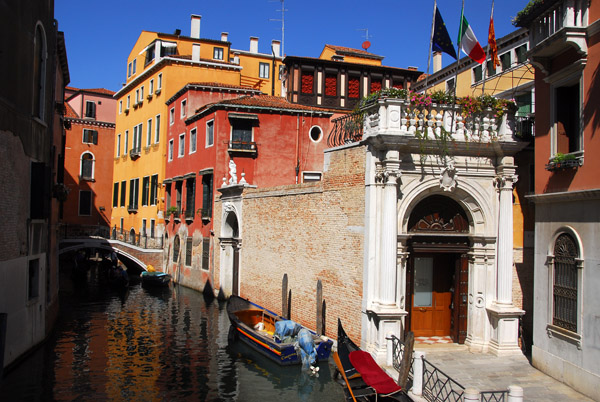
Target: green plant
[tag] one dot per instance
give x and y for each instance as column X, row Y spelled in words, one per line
column 441, row 97
column 172, row 210
column 526, row 12
column 560, row 157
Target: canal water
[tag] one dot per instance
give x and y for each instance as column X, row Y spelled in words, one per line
column 144, row 344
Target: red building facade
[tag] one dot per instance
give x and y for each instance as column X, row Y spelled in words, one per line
column 90, row 117
column 564, row 42
column 256, row 140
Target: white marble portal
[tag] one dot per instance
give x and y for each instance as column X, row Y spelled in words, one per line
column 478, row 175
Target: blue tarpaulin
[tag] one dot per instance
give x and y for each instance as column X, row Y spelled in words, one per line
column 307, row 347
column 285, row 328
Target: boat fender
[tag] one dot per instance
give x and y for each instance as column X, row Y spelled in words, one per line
column 260, row 326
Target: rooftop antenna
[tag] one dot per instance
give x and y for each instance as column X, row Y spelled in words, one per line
column 366, row 44
column 282, row 20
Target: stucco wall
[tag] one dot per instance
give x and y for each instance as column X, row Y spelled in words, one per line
column 562, row 359
column 310, row 232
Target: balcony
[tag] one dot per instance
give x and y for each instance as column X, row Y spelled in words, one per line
column 242, row 147
column 468, row 127
column 132, row 209
column 554, row 27
column 189, row 214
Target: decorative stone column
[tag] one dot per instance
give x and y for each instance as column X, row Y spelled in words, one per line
column 504, row 316
column 386, row 314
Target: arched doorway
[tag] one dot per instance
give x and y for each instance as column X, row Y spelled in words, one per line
column 437, row 276
column 230, row 256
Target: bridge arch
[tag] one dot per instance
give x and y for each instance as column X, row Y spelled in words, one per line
column 69, row 245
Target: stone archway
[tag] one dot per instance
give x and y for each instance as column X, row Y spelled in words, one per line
column 230, row 253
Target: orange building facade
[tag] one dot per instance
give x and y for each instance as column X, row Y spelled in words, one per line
column 158, row 66
column 90, row 117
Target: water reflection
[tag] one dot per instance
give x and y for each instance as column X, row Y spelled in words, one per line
column 154, row 345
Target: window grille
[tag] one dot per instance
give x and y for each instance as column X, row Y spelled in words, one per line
column 565, row 283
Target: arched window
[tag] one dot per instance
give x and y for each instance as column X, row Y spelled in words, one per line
column 132, row 236
column 87, row 166
column 565, row 282
column 175, row 248
column 39, row 71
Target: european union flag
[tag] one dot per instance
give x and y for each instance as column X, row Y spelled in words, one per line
column 441, row 39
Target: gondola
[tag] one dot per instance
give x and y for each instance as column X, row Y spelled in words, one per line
column 361, row 376
column 281, row 340
column 155, row 278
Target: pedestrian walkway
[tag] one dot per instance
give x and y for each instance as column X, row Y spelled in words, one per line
column 487, row 372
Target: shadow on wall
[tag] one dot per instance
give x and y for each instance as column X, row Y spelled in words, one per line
column 71, row 207
column 591, row 113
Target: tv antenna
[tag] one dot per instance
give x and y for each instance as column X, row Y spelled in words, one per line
column 366, row 44
column 282, row 20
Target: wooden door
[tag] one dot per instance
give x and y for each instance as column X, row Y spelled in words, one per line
column 431, row 311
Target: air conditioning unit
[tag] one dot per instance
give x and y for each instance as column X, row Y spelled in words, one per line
column 157, row 91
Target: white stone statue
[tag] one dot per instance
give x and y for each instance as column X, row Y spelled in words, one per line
column 232, row 172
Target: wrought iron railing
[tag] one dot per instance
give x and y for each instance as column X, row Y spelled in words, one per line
column 493, row 396
column 439, row 386
column 525, row 127
column 346, row 129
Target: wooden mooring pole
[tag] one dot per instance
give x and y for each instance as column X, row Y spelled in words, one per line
column 284, row 292
column 319, row 308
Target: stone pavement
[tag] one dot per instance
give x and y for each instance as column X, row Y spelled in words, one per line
column 487, row 372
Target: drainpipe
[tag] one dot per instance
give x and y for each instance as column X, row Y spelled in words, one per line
column 297, row 147
column 273, row 73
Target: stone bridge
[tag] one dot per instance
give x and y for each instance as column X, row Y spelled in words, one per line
column 132, row 256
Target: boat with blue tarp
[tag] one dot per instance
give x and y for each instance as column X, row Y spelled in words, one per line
column 283, row 341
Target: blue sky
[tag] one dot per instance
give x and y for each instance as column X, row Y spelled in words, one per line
column 100, row 34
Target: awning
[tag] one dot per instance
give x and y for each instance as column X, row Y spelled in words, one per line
column 189, row 175
column 249, row 116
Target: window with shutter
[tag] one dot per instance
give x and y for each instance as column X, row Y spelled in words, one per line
column 90, row 109
column 188, row 252
column 205, row 253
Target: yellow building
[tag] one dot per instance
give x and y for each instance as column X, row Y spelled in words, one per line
column 513, row 79
column 158, row 66
column 350, row 55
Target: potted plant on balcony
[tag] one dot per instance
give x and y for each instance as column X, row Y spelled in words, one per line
column 562, row 161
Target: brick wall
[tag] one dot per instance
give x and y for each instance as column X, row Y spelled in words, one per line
column 310, row 232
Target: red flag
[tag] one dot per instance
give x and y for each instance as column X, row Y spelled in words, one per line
column 493, row 48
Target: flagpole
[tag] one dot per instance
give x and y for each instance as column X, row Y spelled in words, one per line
column 487, row 54
column 430, row 45
column 456, row 72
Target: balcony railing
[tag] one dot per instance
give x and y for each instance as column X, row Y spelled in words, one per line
column 242, row 146
column 398, row 117
column 571, row 15
column 525, row 127
column 346, row 129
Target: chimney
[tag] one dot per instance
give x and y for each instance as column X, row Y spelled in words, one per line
column 195, row 26
column 437, row 61
column 195, row 52
column 276, row 47
column 253, row 44
column 224, row 36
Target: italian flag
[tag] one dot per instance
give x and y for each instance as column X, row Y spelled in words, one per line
column 468, row 41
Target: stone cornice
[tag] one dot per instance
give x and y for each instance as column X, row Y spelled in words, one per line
column 580, row 195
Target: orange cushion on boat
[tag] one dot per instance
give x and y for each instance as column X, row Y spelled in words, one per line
column 372, row 374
